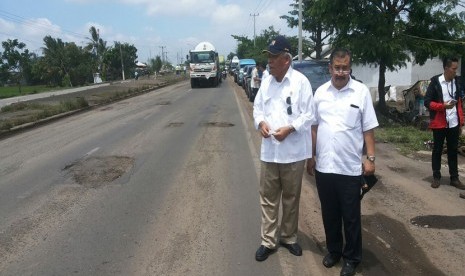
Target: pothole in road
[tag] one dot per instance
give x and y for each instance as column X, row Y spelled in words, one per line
column 175, row 124
column 95, row 172
column 217, row 124
column 439, row 222
column 397, row 169
column 163, row 103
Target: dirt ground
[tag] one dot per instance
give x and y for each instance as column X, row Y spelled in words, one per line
column 408, row 227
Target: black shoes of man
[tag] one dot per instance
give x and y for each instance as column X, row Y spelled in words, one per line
column 263, row 252
column 348, row 268
column 457, row 184
column 294, row 248
column 331, row 260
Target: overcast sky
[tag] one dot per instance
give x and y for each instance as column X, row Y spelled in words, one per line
column 175, row 25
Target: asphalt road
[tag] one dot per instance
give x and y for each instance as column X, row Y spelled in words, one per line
column 160, row 184
column 166, row 183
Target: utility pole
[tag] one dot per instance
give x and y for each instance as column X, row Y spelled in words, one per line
column 98, row 42
column 122, row 64
column 254, row 15
column 300, row 30
column 162, row 53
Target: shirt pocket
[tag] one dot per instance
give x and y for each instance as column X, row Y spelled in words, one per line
column 352, row 119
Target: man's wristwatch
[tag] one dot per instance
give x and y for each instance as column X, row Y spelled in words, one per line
column 291, row 128
column 371, row 158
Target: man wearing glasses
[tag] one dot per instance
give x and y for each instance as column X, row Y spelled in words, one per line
column 344, row 121
column 283, row 114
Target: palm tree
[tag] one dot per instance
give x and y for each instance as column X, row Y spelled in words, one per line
column 56, row 59
column 97, row 46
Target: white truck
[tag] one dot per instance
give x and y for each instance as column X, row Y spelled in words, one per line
column 204, row 65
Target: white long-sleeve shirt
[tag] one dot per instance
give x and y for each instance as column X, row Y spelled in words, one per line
column 270, row 106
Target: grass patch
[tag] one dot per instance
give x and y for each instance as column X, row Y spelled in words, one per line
column 32, row 112
column 13, row 91
column 407, row 139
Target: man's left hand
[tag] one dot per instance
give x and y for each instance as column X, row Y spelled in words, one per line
column 368, row 167
column 281, row 133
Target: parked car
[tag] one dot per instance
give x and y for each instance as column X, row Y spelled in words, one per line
column 246, row 79
column 316, row 71
column 244, row 71
column 236, row 73
column 240, row 67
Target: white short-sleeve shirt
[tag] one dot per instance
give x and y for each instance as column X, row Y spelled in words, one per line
column 342, row 116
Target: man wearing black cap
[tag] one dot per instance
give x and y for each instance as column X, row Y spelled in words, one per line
column 283, row 114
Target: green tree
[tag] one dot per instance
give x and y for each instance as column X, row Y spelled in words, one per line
column 112, row 60
column 14, row 61
column 156, row 64
column 312, row 23
column 64, row 63
column 55, row 62
column 386, row 32
column 246, row 48
column 230, row 56
column 79, row 63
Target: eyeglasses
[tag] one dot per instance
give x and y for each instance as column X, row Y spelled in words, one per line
column 341, row 71
column 289, row 108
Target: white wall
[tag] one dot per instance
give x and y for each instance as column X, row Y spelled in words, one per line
column 405, row 76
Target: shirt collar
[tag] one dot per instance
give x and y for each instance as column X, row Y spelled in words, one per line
column 346, row 87
column 287, row 76
column 442, row 78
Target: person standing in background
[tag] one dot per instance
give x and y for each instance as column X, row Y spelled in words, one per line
column 444, row 102
column 254, row 83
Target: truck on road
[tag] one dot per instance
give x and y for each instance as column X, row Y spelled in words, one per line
column 204, row 65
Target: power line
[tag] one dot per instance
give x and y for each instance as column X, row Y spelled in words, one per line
column 258, row 6
column 436, row 40
column 35, row 24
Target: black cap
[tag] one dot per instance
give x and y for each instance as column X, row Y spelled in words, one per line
column 278, row 45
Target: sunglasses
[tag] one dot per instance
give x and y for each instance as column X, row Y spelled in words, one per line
column 289, row 108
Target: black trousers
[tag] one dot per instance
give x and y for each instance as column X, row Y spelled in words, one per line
column 452, row 137
column 340, row 205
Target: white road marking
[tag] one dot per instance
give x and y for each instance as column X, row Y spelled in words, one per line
column 92, row 151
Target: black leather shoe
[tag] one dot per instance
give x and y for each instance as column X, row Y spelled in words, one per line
column 457, row 184
column 263, row 252
column 330, row 260
column 348, row 269
column 294, row 248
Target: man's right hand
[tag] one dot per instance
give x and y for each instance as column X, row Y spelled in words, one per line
column 311, row 166
column 449, row 104
column 264, row 129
